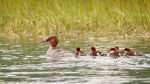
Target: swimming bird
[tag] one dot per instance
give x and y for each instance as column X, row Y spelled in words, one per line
column 114, row 53
column 121, row 52
column 79, row 52
column 129, row 52
column 96, row 53
column 52, row 51
column 93, row 52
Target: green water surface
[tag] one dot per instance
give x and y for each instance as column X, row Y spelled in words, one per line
column 24, row 61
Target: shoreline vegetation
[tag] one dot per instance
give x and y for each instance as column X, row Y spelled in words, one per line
column 35, row 18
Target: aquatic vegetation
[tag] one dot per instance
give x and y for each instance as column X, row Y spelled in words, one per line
column 74, row 17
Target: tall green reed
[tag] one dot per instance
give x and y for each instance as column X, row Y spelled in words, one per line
column 74, row 17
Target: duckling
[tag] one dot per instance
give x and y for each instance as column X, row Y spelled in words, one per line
column 114, row 53
column 121, row 52
column 96, row 53
column 79, row 52
column 129, row 52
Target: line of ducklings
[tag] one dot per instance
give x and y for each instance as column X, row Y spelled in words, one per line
column 113, row 52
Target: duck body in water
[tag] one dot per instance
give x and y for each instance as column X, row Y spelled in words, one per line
column 96, row 53
column 129, row 52
column 114, row 53
column 52, row 51
column 79, row 52
column 122, row 53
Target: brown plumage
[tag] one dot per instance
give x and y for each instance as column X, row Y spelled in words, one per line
column 52, row 51
column 53, row 40
column 96, row 53
column 121, row 52
column 129, row 52
column 93, row 52
column 114, row 53
column 79, row 52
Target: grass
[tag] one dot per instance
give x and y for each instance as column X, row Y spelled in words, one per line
column 74, row 17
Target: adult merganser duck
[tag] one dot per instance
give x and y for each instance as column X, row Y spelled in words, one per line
column 131, row 53
column 96, row 53
column 79, row 52
column 52, row 51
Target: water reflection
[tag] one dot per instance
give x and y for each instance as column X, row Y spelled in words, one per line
column 25, row 62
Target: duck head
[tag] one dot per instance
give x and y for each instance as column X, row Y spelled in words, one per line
column 127, row 50
column 117, row 48
column 93, row 49
column 78, row 49
column 53, row 40
column 112, row 50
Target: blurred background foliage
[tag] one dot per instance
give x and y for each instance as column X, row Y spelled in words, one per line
column 74, row 17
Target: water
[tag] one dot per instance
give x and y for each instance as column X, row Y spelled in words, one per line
column 24, row 61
